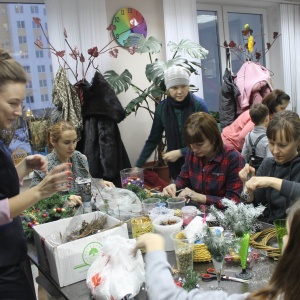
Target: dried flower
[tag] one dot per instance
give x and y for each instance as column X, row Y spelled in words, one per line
column 75, row 52
column 248, row 48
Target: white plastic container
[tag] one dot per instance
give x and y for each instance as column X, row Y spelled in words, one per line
column 166, row 230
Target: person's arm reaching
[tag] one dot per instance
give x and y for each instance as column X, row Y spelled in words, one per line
column 159, row 281
column 55, row 181
column 154, row 138
column 31, row 162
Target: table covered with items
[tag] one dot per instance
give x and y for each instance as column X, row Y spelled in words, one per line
column 88, row 255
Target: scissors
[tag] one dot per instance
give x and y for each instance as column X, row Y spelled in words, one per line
column 211, row 274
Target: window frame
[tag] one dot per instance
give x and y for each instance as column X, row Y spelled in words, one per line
column 222, row 20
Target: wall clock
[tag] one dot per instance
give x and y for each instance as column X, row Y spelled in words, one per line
column 128, row 20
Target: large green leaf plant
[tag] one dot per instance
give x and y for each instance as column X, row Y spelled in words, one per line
column 154, row 72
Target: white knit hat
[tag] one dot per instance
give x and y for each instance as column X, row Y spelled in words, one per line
column 176, row 75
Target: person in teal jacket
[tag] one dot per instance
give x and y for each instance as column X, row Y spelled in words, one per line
column 170, row 116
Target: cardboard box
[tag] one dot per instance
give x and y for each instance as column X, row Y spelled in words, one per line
column 68, row 263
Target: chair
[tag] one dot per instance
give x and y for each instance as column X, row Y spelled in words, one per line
column 18, row 155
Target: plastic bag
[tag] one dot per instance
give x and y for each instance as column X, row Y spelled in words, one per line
column 79, row 228
column 113, row 200
column 116, row 273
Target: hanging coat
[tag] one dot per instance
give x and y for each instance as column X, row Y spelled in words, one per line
column 65, row 98
column 227, row 101
column 102, row 143
column 252, row 78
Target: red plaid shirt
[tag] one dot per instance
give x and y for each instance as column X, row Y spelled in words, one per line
column 217, row 179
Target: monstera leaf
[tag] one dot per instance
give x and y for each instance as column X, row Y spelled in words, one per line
column 120, row 83
column 155, row 92
column 194, row 50
column 150, row 45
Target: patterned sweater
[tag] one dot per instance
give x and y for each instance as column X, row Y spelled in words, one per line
column 79, row 169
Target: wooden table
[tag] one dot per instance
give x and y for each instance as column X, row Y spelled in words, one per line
column 262, row 271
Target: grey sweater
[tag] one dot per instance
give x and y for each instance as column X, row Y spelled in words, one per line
column 160, row 283
column 262, row 147
column 277, row 202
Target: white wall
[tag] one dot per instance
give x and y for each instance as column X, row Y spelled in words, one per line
column 135, row 129
column 275, row 53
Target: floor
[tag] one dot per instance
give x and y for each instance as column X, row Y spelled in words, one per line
column 41, row 294
column 34, row 275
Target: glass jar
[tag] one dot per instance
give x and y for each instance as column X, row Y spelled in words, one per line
column 188, row 214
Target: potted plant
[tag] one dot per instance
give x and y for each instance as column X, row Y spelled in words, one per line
column 154, row 71
column 155, row 92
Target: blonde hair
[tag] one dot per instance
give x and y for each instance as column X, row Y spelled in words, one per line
column 10, row 71
column 56, row 130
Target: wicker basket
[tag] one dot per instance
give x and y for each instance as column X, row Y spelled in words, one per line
column 260, row 240
column 201, row 253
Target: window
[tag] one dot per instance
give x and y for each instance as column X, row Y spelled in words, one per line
column 43, row 83
column 211, row 74
column 34, row 9
column 34, row 25
column 237, row 21
column 24, row 54
column 217, row 24
column 44, row 98
column 19, row 9
column 39, row 53
column 6, row 43
column 22, row 39
column 41, row 69
column 29, row 99
column 34, row 60
column 29, row 84
column 27, row 69
column 21, row 24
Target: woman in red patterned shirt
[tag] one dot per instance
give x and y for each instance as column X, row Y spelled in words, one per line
column 211, row 169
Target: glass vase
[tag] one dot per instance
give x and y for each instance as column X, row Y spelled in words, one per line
column 243, row 252
column 218, row 266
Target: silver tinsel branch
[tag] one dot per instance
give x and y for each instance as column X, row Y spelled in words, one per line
column 238, row 217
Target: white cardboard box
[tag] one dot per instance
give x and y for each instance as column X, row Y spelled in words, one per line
column 68, row 263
